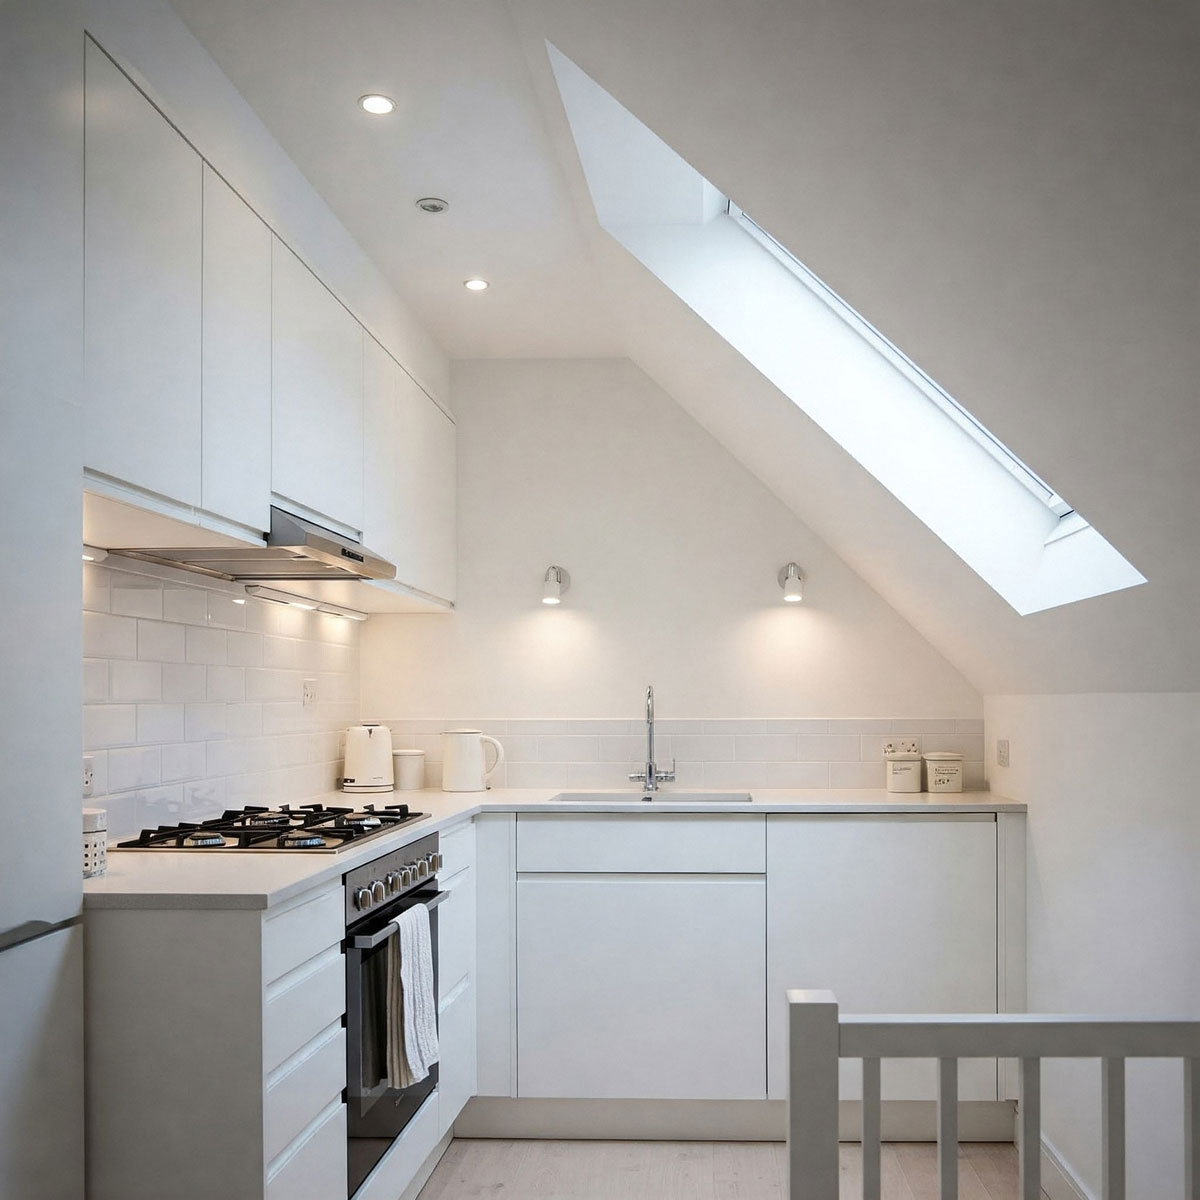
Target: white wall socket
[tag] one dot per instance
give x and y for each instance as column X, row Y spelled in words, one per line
column 1002, row 752
column 89, row 775
column 310, row 692
column 904, row 746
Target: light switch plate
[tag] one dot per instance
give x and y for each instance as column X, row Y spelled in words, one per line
column 310, row 692
column 1002, row 752
column 89, row 775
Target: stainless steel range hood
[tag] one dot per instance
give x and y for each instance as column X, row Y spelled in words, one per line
column 295, row 549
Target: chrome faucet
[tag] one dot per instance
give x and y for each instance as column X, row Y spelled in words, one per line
column 650, row 776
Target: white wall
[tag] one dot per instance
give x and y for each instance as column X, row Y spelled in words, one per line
column 673, row 550
column 192, row 702
column 154, row 46
column 1114, row 898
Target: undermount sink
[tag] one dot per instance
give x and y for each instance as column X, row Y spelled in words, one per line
column 655, row 797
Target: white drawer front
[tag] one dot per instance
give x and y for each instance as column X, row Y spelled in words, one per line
column 301, row 1004
column 457, row 847
column 398, row 1167
column 642, row 842
column 456, row 935
column 298, row 933
column 316, row 1168
column 304, row 1086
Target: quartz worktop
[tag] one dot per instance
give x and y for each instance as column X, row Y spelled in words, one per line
column 158, row 879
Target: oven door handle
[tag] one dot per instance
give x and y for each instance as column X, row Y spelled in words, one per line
column 368, row 941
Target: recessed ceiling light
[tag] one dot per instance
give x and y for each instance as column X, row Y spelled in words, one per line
column 431, row 204
column 475, row 285
column 376, row 104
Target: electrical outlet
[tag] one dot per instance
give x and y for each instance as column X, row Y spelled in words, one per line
column 310, row 692
column 904, row 746
column 89, row 775
column 1002, row 752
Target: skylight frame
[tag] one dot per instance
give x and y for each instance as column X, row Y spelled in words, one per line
column 896, row 358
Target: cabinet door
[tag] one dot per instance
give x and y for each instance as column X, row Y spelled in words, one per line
column 409, row 477
column 236, row 376
column 645, row 986
column 456, row 1067
column 316, row 394
column 456, row 934
column 893, row 915
column 142, row 234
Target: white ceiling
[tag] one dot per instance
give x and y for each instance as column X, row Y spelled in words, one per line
column 1009, row 192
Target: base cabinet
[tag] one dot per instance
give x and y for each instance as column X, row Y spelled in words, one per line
column 893, row 914
column 640, row 987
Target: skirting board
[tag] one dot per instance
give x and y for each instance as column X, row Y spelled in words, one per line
column 713, row 1120
column 1059, row 1181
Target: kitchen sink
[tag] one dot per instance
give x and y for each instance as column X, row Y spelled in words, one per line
column 655, row 797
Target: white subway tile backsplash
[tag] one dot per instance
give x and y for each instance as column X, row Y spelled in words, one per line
column 532, row 727
column 533, row 775
column 185, row 760
column 568, row 748
column 600, row 775
column 699, row 747
column 244, row 720
column 246, row 649
column 160, row 723
column 106, row 636
column 843, row 725
column 226, row 611
column 828, row 747
column 735, row 775
column 133, row 767
column 109, row 725
column 857, row 774
column 131, row 680
column 280, row 652
column 975, row 725
column 183, row 682
column 136, row 598
column 923, row 726
column 263, row 683
column 158, row 641
column 188, row 605
column 765, row 747
column 797, row 775
column 96, row 587
column 227, row 683
column 203, row 722
column 205, row 645
column 95, row 680
column 621, row 747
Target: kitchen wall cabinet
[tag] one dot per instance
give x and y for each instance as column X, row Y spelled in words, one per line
column 316, row 395
column 236, row 359
column 142, row 290
column 409, row 476
column 892, row 914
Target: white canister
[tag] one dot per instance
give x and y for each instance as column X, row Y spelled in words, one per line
column 410, row 770
column 943, row 772
column 903, row 772
column 95, row 842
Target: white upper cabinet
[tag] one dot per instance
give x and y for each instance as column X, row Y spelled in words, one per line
column 236, row 380
column 142, row 290
column 409, row 476
column 316, row 395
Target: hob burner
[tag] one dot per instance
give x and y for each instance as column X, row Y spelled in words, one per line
column 202, row 837
column 301, row 839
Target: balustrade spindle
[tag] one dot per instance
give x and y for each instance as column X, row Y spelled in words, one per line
column 1029, row 1139
column 1112, row 1146
column 872, row 1171
column 947, row 1128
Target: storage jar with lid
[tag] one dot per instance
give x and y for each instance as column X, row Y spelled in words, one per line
column 943, row 771
column 903, row 772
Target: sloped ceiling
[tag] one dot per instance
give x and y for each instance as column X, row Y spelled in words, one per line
column 1008, row 191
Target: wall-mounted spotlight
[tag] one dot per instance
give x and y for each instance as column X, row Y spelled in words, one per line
column 791, row 579
column 554, row 584
column 277, row 597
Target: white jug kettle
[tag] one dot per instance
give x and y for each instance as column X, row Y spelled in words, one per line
column 463, row 758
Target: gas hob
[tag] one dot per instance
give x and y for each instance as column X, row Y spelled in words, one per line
column 311, row 827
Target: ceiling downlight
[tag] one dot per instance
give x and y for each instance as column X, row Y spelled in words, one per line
column 432, row 204
column 377, row 104
column 476, row 285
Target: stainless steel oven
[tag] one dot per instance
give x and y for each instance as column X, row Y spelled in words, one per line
column 376, row 894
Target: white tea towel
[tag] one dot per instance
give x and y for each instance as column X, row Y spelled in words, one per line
column 412, row 1041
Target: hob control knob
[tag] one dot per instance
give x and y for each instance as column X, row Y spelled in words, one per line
column 378, row 891
column 362, row 898
column 422, row 868
column 394, row 882
column 437, row 861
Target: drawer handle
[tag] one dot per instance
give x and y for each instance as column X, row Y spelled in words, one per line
column 368, row 941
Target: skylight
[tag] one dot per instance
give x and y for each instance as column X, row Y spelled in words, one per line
column 972, row 491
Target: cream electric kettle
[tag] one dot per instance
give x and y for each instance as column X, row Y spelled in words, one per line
column 463, row 760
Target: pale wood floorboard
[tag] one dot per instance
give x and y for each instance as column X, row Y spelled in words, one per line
column 545, row 1170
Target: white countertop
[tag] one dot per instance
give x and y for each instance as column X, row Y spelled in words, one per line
column 191, row 879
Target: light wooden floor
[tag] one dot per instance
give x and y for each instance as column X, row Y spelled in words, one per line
column 543, row 1170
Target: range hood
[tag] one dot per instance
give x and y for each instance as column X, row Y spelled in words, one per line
column 295, row 549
